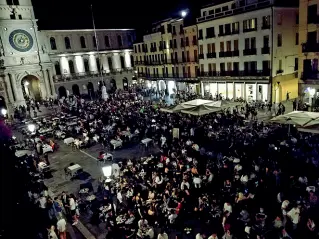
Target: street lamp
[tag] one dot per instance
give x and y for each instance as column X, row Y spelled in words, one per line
column 183, row 13
column 31, row 128
column 107, row 171
column 4, row 112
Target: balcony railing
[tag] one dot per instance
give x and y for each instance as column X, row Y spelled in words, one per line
column 313, row 19
column 279, row 71
column 259, row 73
column 172, row 76
column 210, row 36
column 312, row 75
column 200, row 37
column 91, row 74
column 153, row 63
column 211, row 55
column 221, row 54
column 201, row 56
column 235, row 53
column 237, row 10
column 265, row 50
column 228, row 53
column 265, row 26
column 249, row 52
column 310, row 47
column 139, row 62
column 250, row 29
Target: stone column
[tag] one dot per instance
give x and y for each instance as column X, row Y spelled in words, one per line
column 79, row 64
column 49, row 73
column 105, row 63
column 92, row 63
column 244, row 85
column 47, row 83
column 234, row 91
column 226, row 86
column 257, row 92
column 116, row 62
column 8, row 88
column 64, row 65
column 17, row 90
column 127, row 60
column 202, row 89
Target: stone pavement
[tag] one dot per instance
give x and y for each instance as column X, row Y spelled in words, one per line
column 87, row 159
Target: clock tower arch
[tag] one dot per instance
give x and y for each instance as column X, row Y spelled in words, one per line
column 22, row 54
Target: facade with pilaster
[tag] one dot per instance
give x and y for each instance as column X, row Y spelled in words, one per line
column 247, row 49
column 162, row 61
column 308, row 70
column 40, row 64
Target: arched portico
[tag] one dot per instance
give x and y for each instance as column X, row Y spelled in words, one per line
column 31, row 87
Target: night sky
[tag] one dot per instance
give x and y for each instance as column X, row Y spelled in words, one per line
column 138, row 14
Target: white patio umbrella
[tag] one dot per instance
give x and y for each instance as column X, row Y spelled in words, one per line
column 300, row 118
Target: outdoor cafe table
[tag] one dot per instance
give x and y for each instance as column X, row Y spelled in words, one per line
column 73, row 169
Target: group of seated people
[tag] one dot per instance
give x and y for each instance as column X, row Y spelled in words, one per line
column 221, row 178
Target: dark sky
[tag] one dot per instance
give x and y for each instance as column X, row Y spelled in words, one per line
column 138, row 14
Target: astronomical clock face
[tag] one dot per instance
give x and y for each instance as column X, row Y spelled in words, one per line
column 21, row 40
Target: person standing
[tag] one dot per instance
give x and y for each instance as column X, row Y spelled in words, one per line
column 61, row 226
column 72, row 205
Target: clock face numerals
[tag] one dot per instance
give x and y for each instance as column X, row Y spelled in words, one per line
column 21, row 40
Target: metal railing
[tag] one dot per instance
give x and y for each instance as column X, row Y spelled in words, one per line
column 237, row 10
column 91, row 74
column 235, row 73
column 310, row 47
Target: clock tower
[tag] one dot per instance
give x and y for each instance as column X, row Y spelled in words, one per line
column 25, row 68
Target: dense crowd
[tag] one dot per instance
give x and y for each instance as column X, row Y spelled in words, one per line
column 221, row 178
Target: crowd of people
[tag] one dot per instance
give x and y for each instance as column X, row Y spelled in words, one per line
column 221, row 178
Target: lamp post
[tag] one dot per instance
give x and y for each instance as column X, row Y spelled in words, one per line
column 32, row 128
column 4, row 112
column 107, row 172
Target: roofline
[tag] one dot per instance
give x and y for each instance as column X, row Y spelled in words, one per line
column 87, row 30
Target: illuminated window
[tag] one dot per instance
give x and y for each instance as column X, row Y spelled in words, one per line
column 53, row 43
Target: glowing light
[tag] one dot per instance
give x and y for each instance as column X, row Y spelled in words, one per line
column 26, row 83
column 183, row 13
column 4, row 112
column 31, row 128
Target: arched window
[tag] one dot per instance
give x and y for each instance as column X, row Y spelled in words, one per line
column 119, row 40
column 82, row 41
column 94, row 41
column 107, row 41
column 52, row 43
column 67, row 43
column 86, row 65
column 71, row 66
column 98, row 65
column 57, row 68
